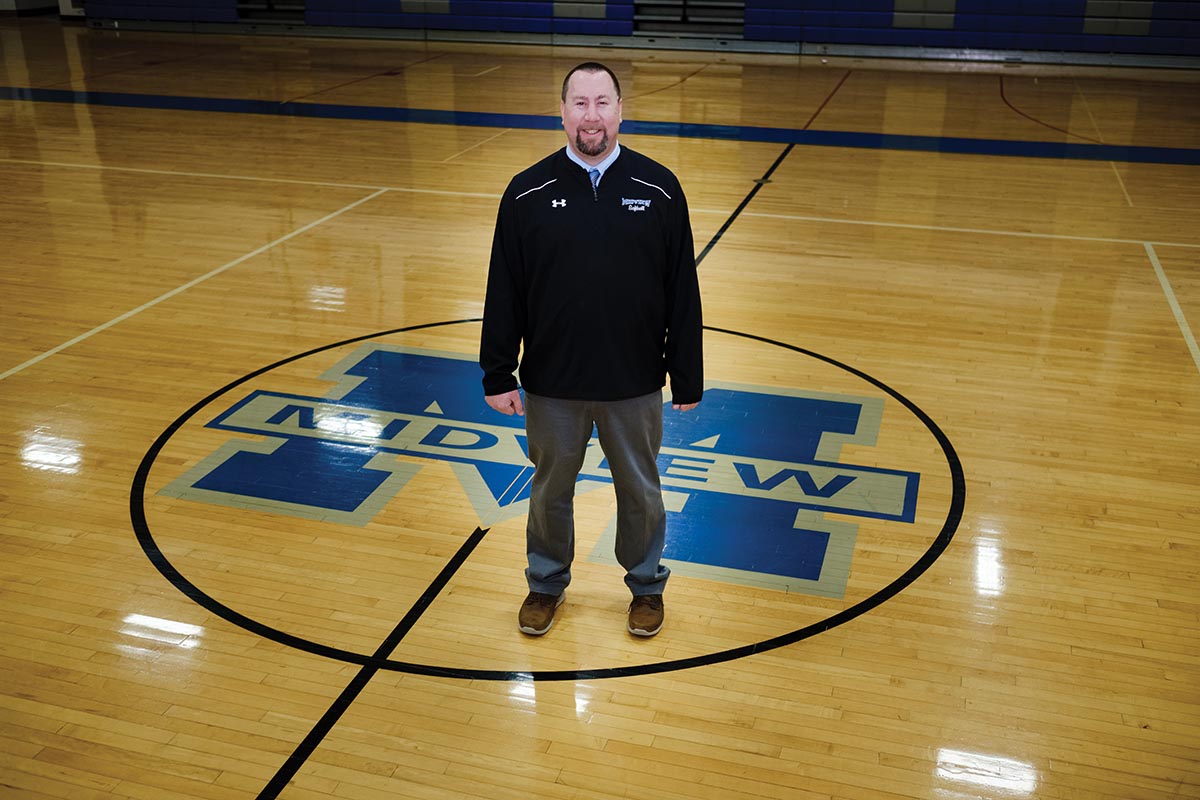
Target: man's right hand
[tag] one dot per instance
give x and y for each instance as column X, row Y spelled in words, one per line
column 508, row 403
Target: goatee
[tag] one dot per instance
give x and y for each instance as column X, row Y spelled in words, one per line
column 591, row 149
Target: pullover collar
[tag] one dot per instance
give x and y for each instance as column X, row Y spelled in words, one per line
column 602, row 166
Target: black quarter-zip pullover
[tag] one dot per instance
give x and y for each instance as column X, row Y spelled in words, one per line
column 598, row 285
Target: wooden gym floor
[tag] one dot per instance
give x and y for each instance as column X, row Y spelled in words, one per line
column 1016, row 326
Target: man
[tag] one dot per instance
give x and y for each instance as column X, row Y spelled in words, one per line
column 593, row 271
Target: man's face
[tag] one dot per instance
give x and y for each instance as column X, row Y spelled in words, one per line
column 591, row 115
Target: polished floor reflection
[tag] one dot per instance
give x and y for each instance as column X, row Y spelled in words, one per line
column 934, row 534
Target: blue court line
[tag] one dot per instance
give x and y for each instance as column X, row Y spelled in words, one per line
column 682, row 130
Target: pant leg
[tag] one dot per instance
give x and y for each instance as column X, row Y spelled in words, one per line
column 558, row 432
column 631, row 435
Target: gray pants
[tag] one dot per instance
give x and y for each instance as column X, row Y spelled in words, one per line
column 630, row 434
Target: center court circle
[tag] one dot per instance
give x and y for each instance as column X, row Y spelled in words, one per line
column 380, row 659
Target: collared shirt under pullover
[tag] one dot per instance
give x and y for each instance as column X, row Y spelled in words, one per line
column 599, row 284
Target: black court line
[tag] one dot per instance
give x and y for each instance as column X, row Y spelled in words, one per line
column 158, row 559
column 141, row 526
column 368, row 671
column 1043, row 123
column 380, row 658
column 758, row 184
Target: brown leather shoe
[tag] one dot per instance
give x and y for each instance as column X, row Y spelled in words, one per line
column 646, row 615
column 537, row 612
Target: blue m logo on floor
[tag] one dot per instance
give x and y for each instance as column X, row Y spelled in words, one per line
column 747, row 476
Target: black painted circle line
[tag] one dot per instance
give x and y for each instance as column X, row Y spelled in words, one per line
column 137, row 512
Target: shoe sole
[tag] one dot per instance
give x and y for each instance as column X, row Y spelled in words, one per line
column 643, row 631
column 640, row 632
column 534, row 631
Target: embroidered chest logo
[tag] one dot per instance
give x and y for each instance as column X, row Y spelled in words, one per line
column 560, row 203
column 632, row 204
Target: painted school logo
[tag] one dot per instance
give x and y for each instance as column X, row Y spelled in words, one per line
column 747, row 476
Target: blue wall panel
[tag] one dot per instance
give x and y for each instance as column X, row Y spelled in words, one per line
column 621, row 11
column 1172, row 27
column 495, row 8
column 341, row 19
column 594, row 27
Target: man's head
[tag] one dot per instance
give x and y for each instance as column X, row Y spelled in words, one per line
column 591, row 110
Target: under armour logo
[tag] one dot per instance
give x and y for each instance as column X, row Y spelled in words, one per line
column 558, row 203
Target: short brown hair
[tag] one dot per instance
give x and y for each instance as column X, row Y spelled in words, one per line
column 591, row 66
